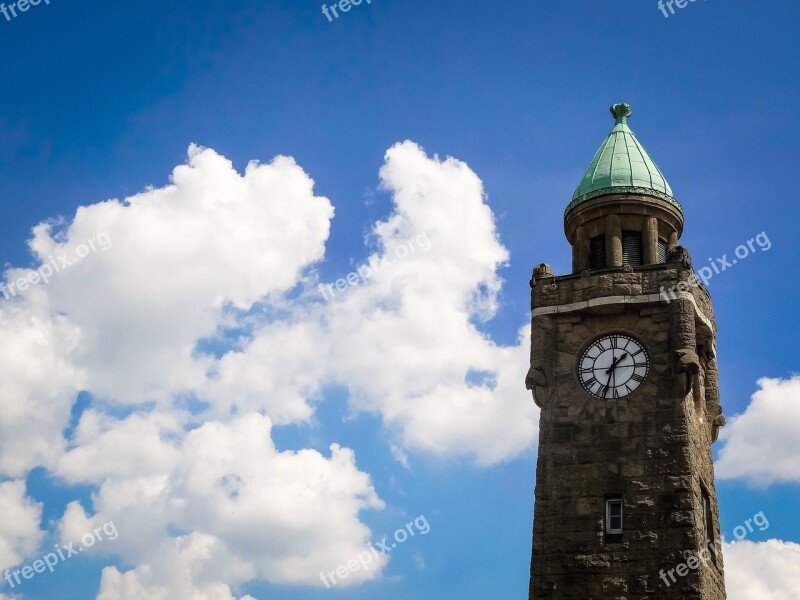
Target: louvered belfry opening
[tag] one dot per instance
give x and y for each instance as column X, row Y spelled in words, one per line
column 632, row 248
column 662, row 252
column 597, row 249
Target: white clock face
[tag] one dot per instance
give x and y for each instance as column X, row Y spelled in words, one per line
column 613, row 366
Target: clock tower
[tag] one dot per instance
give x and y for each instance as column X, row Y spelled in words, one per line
column 624, row 369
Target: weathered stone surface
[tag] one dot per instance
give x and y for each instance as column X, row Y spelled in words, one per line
column 652, row 448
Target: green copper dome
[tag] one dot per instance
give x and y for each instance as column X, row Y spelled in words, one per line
column 622, row 165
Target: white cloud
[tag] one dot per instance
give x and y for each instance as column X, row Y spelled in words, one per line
column 19, row 526
column 760, row 444
column 206, row 492
column 102, row 447
column 175, row 575
column 281, row 372
column 293, row 514
column 248, row 510
column 38, row 383
column 179, row 255
column 405, row 344
column 762, row 570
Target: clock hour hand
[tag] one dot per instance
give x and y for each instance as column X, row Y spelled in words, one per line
column 615, row 363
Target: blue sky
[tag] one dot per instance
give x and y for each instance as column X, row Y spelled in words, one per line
column 102, row 100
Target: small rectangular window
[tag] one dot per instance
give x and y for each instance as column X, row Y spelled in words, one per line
column 614, row 515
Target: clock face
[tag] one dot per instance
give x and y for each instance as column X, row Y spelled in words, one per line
column 613, row 366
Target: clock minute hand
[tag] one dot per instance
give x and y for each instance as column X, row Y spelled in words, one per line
column 608, row 384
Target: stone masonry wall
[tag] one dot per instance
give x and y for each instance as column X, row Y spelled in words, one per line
column 652, row 447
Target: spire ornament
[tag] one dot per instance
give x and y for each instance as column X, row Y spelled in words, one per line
column 621, row 112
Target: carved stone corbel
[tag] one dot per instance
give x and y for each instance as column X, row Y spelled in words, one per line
column 536, row 381
column 686, row 365
column 718, row 419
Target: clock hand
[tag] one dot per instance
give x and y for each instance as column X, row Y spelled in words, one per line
column 608, row 372
column 614, row 375
column 616, row 362
column 608, row 384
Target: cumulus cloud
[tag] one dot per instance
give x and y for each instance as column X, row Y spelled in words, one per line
column 196, row 329
column 405, row 342
column 138, row 584
column 179, row 256
column 760, row 444
column 101, row 447
column 19, row 526
column 282, row 372
column 39, row 382
column 185, row 264
column 227, row 504
column 762, row 570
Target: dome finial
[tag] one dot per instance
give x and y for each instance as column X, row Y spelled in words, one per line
column 621, row 112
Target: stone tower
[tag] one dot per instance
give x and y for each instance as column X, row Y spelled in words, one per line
column 623, row 368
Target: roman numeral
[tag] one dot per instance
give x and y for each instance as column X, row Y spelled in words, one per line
column 637, row 377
